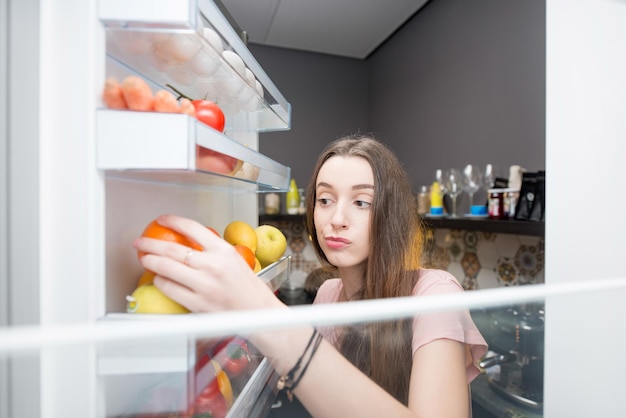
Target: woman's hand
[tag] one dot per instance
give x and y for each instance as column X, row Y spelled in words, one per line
column 203, row 281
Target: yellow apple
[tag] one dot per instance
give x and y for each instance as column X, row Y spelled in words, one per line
column 257, row 265
column 271, row 244
column 148, row 298
column 241, row 233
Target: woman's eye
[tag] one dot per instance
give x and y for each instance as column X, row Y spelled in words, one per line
column 362, row 204
column 323, row 201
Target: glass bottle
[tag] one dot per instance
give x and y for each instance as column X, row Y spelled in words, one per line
column 293, row 198
column 423, row 201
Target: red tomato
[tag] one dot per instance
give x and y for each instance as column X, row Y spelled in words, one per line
column 211, row 401
column 214, row 161
column 233, row 355
column 210, row 114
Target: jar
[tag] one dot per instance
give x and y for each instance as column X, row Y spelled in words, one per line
column 272, row 204
column 423, row 201
column 496, row 204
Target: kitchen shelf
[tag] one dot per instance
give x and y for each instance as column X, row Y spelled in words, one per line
column 191, row 45
column 508, row 226
column 161, row 148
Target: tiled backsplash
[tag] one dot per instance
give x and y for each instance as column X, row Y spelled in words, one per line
column 479, row 260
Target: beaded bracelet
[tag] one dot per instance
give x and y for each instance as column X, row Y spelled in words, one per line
column 287, row 381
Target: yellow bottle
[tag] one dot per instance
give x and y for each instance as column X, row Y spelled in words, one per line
column 436, row 199
column 293, row 198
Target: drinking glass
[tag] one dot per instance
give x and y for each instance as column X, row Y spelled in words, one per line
column 472, row 181
column 489, row 179
column 454, row 187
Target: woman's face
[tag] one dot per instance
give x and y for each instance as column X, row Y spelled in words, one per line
column 344, row 194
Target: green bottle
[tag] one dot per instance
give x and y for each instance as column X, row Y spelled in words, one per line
column 293, row 198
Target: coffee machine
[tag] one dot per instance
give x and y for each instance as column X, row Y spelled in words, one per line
column 514, row 366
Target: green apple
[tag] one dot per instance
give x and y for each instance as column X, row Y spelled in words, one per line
column 271, row 244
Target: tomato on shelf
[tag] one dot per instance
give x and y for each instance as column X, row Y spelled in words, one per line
column 210, row 114
column 232, row 354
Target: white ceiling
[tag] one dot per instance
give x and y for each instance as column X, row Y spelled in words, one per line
column 348, row 28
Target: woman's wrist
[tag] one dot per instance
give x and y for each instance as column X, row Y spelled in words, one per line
column 283, row 348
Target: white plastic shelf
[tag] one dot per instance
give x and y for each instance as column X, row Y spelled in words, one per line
column 191, row 46
column 161, row 148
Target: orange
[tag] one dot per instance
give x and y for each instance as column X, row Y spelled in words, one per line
column 154, row 230
column 239, row 232
column 247, row 254
column 214, row 231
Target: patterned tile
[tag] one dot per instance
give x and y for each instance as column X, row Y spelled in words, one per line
column 528, row 260
column 470, row 240
column 470, row 264
column 469, row 283
column 506, row 271
column 455, row 248
column 489, row 236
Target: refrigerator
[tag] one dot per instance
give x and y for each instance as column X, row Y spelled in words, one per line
column 100, row 175
column 67, row 218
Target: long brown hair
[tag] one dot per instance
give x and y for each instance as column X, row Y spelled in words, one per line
column 381, row 350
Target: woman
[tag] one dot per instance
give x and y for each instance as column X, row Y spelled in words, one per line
column 361, row 215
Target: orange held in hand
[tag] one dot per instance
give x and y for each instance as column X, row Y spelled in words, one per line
column 247, row 254
column 157, row 231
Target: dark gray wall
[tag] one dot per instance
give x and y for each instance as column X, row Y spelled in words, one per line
column 329, row 99
column 461, row 82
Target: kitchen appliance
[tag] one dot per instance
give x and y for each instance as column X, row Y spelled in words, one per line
column 515, row 364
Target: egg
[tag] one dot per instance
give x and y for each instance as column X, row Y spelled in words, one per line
column 180, row 47
column 259, row 88
column 205, row 62
column 235, row 61
column 214, row 39
column 250, row 78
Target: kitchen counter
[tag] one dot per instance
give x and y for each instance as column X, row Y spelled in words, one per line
column 495, row 405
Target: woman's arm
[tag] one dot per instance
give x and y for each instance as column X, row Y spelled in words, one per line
column 439, row 385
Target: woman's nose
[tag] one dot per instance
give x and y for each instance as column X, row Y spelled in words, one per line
column 339, row 219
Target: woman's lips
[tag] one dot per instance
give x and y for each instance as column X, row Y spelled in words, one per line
column 336, row 243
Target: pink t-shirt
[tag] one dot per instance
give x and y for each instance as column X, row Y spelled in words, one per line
column 457, row 325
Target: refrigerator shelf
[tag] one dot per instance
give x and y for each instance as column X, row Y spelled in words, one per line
column 191, row 46
column 133, row 371
column 169, row 148
column 132, row 392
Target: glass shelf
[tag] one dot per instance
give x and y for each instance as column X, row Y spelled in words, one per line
column 163, row 148
column 191, row 45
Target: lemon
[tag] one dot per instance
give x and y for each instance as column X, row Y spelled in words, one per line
column 148, row 298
